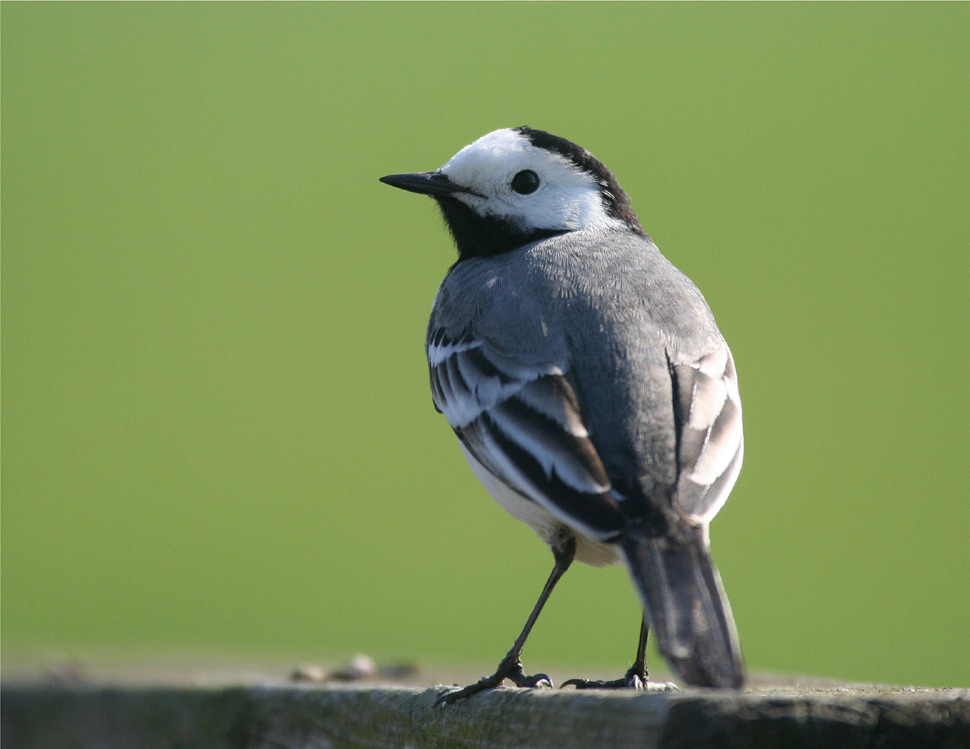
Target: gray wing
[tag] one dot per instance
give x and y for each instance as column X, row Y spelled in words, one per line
column 523, row 423
column 710, row 444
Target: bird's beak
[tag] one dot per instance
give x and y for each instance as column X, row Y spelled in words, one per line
column 426, row 183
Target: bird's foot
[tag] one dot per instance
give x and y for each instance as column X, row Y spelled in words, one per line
column 601, row 684
column 624, row 683
column 510, row 669
column 635, row 678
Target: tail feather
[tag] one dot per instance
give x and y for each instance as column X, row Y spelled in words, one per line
column 689, row 612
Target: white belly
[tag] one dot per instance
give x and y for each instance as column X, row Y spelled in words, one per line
column 542, row 522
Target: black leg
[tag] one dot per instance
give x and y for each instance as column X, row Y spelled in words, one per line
column 511, row 666
column 636, row 675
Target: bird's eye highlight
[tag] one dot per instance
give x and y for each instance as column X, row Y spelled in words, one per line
column 525, row 182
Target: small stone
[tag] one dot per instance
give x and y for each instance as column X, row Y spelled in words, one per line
column 360, row 667
column 311, row 674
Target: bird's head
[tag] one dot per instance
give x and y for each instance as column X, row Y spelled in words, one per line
column 518, row 185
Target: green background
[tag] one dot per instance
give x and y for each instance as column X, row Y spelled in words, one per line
column 217, row 429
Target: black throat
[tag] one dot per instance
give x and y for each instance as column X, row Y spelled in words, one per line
column 482, row 236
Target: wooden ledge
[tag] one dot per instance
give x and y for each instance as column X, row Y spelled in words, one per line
column 38, row 715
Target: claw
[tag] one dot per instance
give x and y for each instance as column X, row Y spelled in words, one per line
column 662, row 686
column 506, row 670
column 450, row 696
column 578, row 683
column 442, row 699
column 631, row 680
column 453, row 695
column 624, row 683
column 539, row 681
column 634, row 678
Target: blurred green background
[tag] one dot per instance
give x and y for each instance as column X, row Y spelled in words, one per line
column 217, row 429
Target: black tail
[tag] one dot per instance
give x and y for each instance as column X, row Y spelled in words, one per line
column 689, row 612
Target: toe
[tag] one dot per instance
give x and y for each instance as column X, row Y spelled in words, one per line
column 539, row 681
column 661, row 686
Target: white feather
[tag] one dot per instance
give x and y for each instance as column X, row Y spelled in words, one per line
column 567, row 198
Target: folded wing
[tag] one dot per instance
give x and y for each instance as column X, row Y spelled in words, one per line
column 710, row 445
column 523, row 423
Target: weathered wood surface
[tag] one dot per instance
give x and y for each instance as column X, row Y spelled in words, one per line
column 83, row 716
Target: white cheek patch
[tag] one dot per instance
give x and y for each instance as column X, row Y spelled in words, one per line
column 567, row 199
column 575, row 209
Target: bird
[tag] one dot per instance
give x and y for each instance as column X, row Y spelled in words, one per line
column 590, row 390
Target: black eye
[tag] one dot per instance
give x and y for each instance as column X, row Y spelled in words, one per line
column 525, row 182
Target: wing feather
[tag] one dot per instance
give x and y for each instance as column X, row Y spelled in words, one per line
column 710, row 442
column 523, row 423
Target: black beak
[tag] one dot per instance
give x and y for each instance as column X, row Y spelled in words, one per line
column 426, row 183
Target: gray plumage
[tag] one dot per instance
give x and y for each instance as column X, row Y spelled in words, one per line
column 594, row 395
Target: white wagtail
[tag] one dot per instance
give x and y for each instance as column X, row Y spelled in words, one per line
column 589, row 387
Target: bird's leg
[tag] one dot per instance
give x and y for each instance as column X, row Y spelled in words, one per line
column 511, row 666
column 635, row 677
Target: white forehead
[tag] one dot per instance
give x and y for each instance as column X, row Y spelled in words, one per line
column 568, row 197
column 502, row 154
